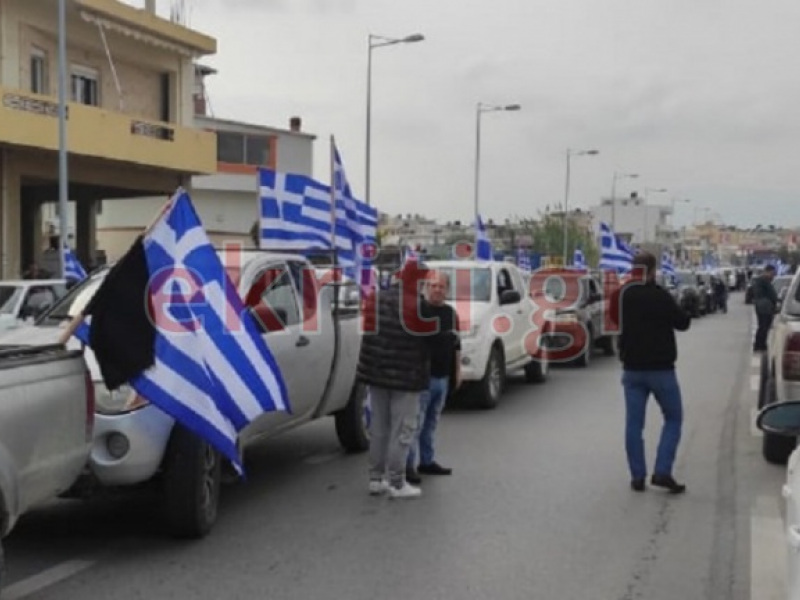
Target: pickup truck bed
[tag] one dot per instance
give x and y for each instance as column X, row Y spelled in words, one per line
column 46, row 418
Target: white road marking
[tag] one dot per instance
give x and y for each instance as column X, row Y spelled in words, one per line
column 768, row 569
column 755, row 362
column 49, row 577
column 755, row 380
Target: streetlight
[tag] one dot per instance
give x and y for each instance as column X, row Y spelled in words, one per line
column 484, row 108
column 378, row 41
column 674, row 228
column 614, row 195
column 63, row 176
column 570, row 154
column 647, row 191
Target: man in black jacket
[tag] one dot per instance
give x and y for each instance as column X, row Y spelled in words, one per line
column 648, row 352
column 395, row 365
column 765, row 301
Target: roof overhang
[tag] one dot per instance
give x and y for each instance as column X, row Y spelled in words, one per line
column 146, row 27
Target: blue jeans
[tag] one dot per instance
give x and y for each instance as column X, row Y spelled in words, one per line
column 431, row 403
column 638, row 386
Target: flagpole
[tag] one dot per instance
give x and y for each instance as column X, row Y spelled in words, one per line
column 63, row 176
column 333, row 198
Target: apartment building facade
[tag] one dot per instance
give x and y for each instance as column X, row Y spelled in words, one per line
column 130, row 130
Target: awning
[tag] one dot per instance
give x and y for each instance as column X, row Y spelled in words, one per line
column 138, row 35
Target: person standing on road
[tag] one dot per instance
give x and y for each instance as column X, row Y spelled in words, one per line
column 765, row 302
column 647, row 348
column 445, row 348
column 394, row 363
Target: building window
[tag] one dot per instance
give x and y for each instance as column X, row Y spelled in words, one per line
column 241, row 149
column 257, row 151
column 38, row 71
column 85, row 88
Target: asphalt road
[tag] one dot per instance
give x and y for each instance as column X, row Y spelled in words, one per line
column 538, row 508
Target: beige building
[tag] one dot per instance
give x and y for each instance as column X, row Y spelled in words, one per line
column 130, row 130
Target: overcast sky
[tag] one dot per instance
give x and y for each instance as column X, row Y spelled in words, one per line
column 697, row 96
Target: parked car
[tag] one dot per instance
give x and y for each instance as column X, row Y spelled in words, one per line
column 705, row 289
column 136, row 443
column 781, row 285
column 783, row 420
column 46, row 419
column 484, row 294
column 23, row 300
column 687, row 293
column 780, row 370
column 588, row 310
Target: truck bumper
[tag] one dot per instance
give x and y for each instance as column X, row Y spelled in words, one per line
column 128, row 448
column 474, row 356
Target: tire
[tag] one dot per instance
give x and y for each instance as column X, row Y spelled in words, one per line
column 2, row 566
column 537, row 370
column 777, row 448
column 585, row 359
column 490, row 388
column 191, row 484
column 352, row 422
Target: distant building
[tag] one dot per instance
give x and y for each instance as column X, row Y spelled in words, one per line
column 636, row 220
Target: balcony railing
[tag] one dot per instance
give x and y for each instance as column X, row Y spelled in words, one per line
column 31, row 120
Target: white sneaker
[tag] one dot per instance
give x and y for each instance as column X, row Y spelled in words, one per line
column 378, row 487
column 407, row 491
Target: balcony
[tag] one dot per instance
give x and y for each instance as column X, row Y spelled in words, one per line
column 31, row 120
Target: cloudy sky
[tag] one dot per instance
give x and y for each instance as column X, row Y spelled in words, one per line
column 697, row 96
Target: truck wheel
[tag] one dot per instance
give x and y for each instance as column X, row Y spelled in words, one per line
column 490, row 388
column 585, row 359
column 536, row 371
column 191, row 484
column 2, row 566
column 777, row 448
column 352, row 422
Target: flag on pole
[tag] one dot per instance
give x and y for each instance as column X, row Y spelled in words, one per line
column 73, row 269
column 667, row 266
column 191, row 348
column 615, row 254
column 483, row 246
column 523, row 260
column 578, row 259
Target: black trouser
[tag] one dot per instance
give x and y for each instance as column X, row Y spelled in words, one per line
column 764, row 323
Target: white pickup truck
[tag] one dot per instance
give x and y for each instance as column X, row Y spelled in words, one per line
column 46, row 418
column 495, row 313
column 135, row 442
column 780, row 370
column 24, row 300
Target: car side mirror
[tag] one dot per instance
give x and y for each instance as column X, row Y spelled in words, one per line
column 510, row 297
column 780, row 419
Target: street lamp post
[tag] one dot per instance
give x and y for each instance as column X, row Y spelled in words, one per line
column 63, row 176
column 378, row 41
column 614, row 195
column 483, row 108
column 570, row 154
column 647, row 191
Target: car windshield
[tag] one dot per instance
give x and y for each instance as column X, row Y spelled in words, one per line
column 75, row 300
column 780, row 283
column 685, row 278
column 468, row 284
column 9, row 297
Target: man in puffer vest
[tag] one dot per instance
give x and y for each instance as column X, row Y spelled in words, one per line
column 395, row 365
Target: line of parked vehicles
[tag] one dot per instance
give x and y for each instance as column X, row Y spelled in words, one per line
column 63, row 434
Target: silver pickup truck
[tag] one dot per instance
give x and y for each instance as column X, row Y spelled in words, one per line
column 46, row 417
column 315, row 346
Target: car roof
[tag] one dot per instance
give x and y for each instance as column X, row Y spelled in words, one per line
column 30, row 282
column 467, row 264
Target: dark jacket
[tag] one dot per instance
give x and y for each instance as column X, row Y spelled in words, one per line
column 391, row 356
column 650, row 317
column 765, row 298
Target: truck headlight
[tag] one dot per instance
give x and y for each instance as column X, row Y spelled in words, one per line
column 566, row 317
column 120, row 400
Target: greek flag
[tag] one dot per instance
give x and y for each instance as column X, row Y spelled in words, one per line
column 296, row 215
column 73, row 270
column 523, row 260
column 615, row 254
column 578, row 259
column 667, row 266
column 483, row 246
column 211, row 368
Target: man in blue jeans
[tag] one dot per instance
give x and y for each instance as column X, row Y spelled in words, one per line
column 647, row 348
column 445, row 358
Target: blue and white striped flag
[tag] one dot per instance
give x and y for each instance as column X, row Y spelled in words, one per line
column 523, row 260
column 296, row 215
column 667, row 266
column 615, row 254
column 578, row 259
column 73, row 269
column 483, row 246
column 213, row 371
